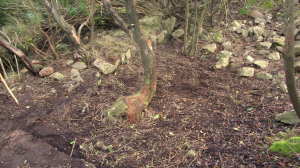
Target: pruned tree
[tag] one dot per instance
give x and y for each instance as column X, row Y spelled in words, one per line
column 131, row 106
column 289, row 54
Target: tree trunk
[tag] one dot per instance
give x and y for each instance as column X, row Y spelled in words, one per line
column 92, row 25
column 289, row 55
column 186, row 26
column 68, row 29
column 18, row 52
column 132, row 106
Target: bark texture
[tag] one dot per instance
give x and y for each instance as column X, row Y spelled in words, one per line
column 289, row 55
column 132, row 106
column 68, row 29
column 18, row 52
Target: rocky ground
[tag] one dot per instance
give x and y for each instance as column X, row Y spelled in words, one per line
column 215, row 109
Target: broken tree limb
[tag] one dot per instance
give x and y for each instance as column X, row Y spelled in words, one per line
column 10, row 92
column 18, row 52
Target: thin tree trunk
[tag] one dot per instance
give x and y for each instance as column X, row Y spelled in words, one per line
column 193, row 48
column 192, row 44
column 132, row 106
column 19, row 54
column 186, row 26
column 289, row 55
column 92, row 24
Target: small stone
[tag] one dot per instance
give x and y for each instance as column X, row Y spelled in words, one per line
column 97, row 75
column 177, row 33
column 239, row 31
column 256, row 14
column 262, row 25
column 224, row 54
column 75, row 75
column 209, row 48
column 222, row 63
column 128, row 54
column 57, row 76
column 259, row 20
column 261, row 64
column 278, row 40
column 227, row 46
column 283, row 87
column 263, row 76
column 269, row 33
column 256, row 31
column 46, row 71
column 250, row 59
column 245, row 33
column 258, row 38
column 69, row 62
column 288, row 117
column 161, row 37
column 53, row 91
column 236, row 24
column 274, row 56
column 262, row 52
column 246, row 71
column 264, row 46
column 104, row 66
column 169, row 24
column 250, row 23
column 79, row 65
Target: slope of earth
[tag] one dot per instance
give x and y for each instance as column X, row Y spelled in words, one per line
column 199, row 117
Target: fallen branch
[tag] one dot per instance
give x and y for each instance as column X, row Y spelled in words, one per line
column 10, row 92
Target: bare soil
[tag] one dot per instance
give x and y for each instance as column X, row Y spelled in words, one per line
column 199, row 117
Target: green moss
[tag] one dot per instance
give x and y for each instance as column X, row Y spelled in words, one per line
column 117, row 110
column 285, row 147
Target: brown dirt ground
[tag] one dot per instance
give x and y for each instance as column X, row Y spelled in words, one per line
column 200, row 108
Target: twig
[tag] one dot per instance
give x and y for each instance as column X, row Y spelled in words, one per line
column 10, row 92
column 221, row 161
column 73, row 147
column 192, row 162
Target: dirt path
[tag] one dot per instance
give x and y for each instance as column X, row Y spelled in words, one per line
column 204, row 119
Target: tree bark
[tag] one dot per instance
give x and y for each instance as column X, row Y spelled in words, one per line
column 289, row 55
column 92, row 24
column 18, row 52
column 68, row 29
column 132, row 106
column 186, row 26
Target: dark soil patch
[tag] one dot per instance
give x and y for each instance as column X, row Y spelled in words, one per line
column 201, row 109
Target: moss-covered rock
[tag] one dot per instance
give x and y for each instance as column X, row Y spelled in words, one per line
column 287, row 147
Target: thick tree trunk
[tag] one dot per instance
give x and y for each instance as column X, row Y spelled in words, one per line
column 289, row 55
column 19, row 54
column 132, row 106
column 68, row 29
